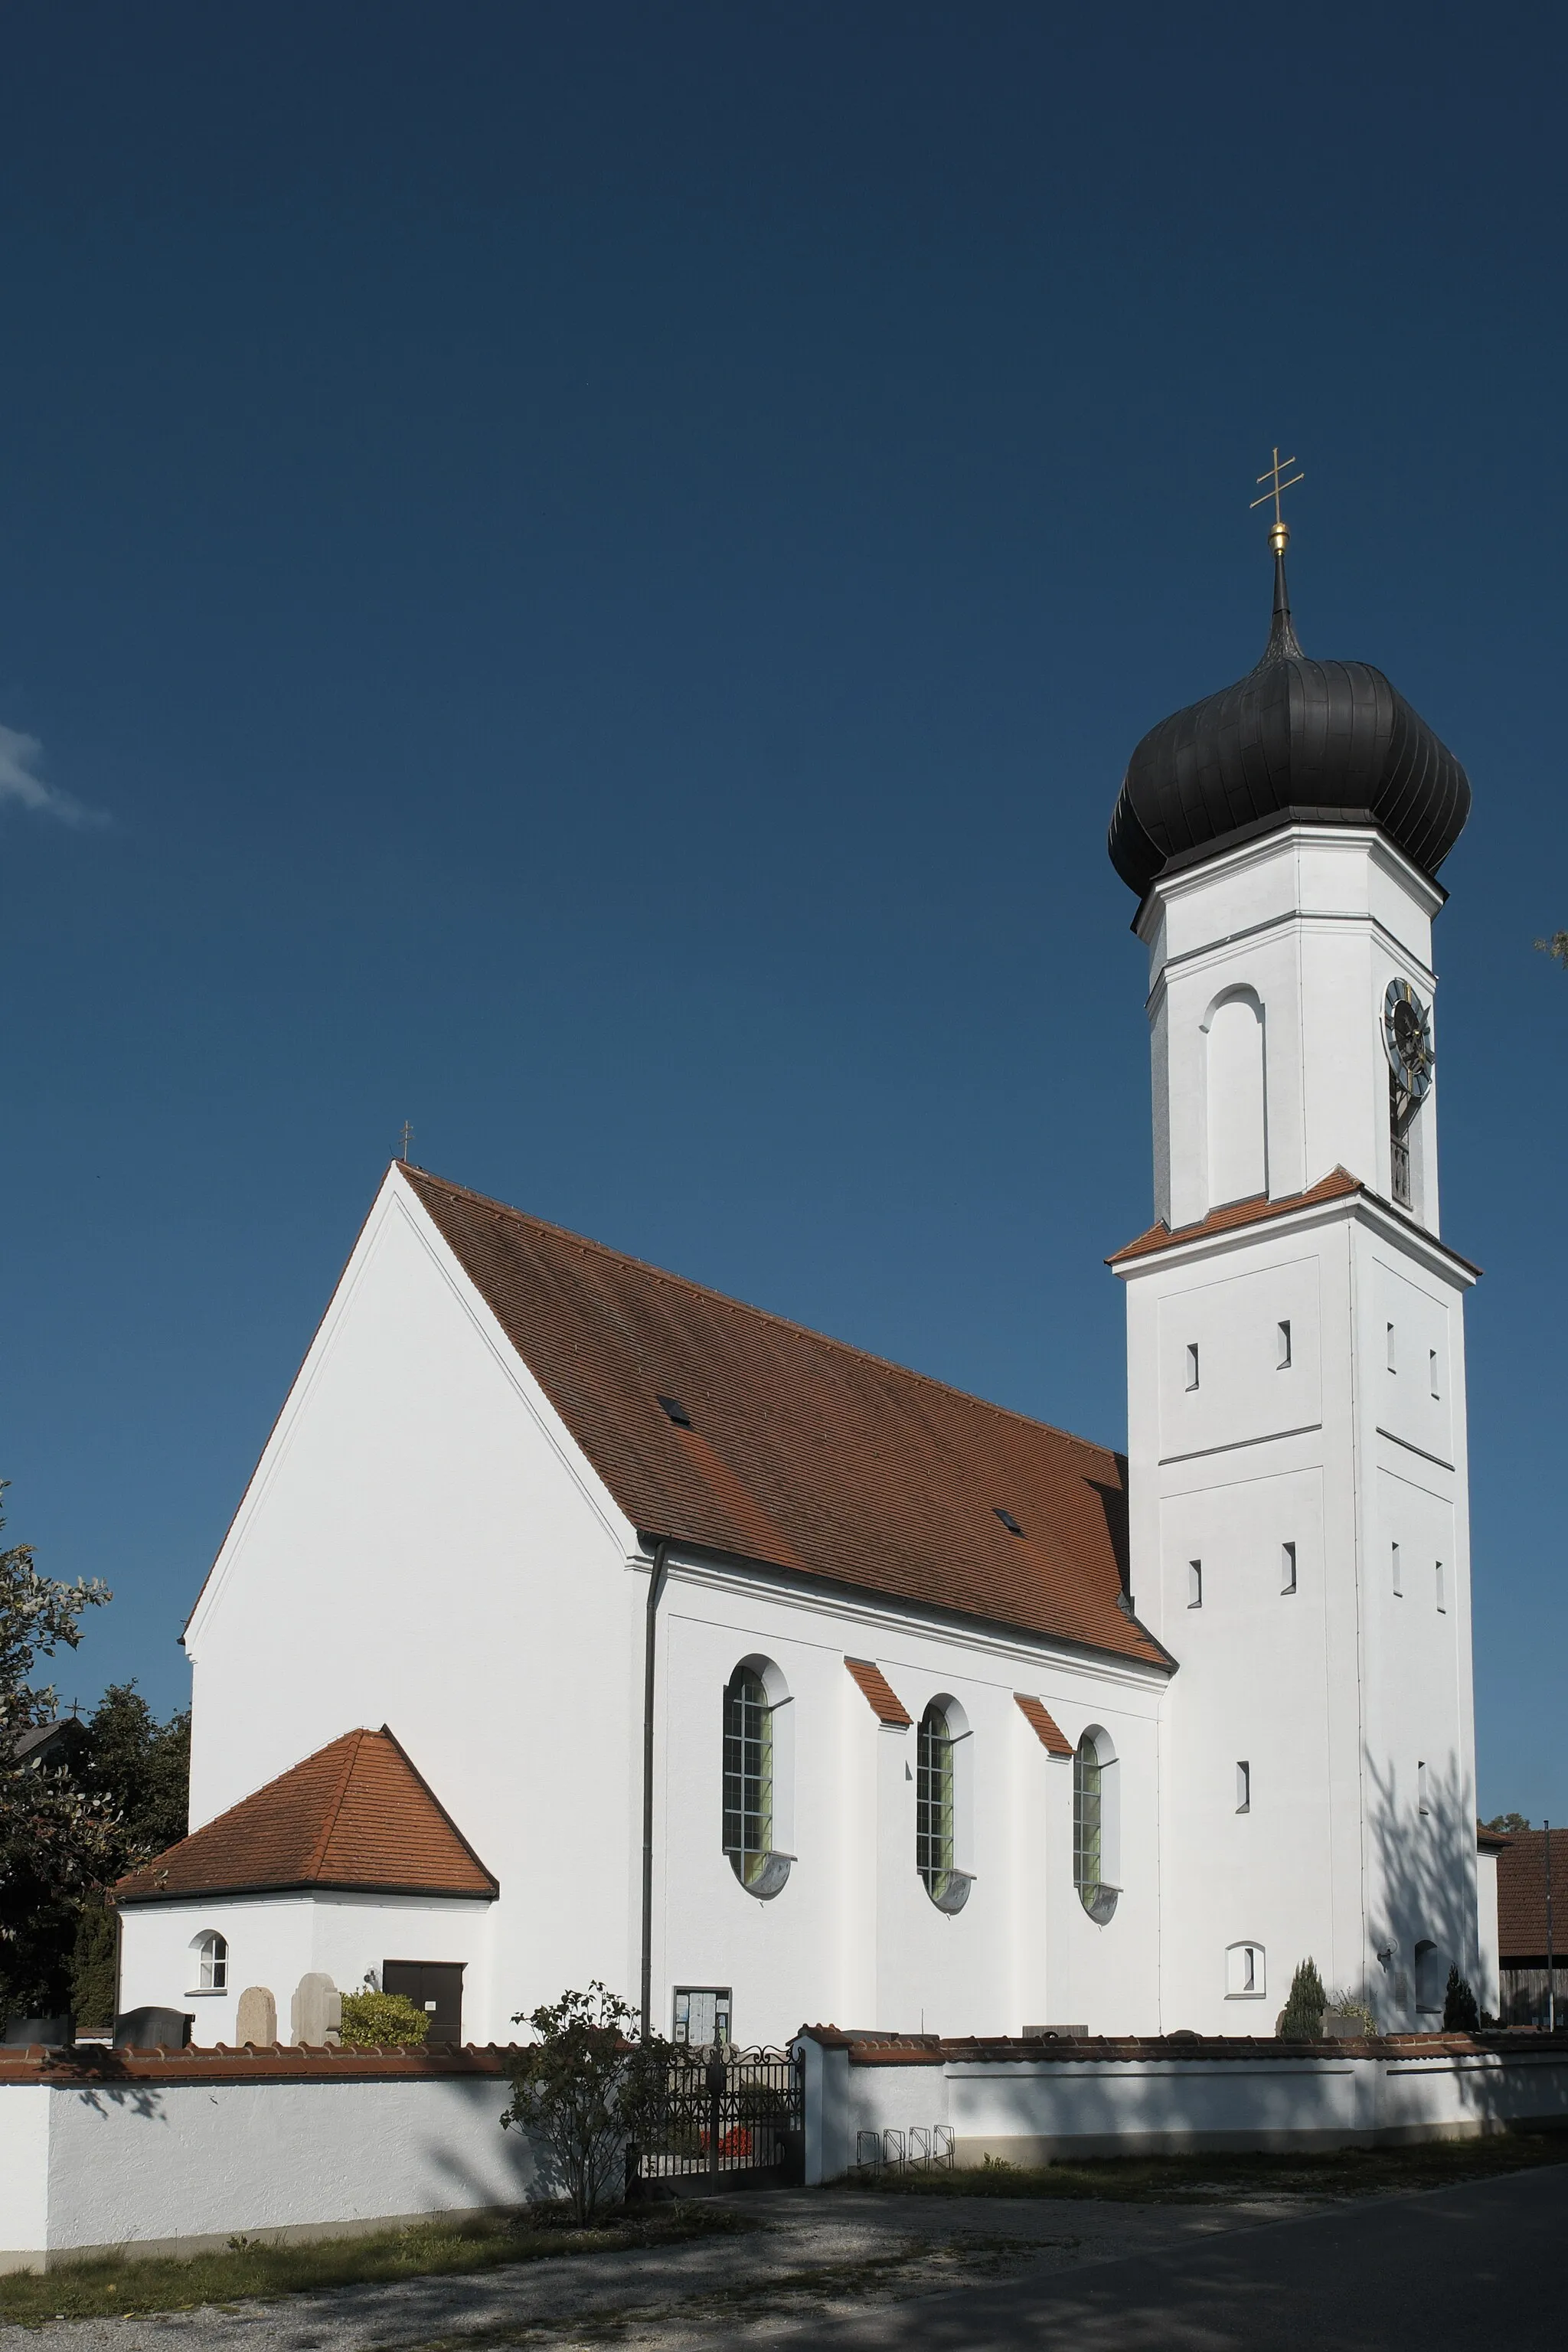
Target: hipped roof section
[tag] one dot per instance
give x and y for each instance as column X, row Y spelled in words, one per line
column 802, row 1453
column 355, row 1816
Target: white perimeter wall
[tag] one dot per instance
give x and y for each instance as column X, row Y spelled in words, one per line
column 173, row 2167
column 1030, row 2111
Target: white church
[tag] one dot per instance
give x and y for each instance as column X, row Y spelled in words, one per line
column 581, row 1622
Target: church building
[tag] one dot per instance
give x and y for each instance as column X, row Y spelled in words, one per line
column 579, row 1622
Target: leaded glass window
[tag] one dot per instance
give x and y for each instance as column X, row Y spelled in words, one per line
column 933, row 1802
column 1088, row 1831
column 748, row 1775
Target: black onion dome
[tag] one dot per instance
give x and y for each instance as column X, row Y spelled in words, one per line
column 1322, row 742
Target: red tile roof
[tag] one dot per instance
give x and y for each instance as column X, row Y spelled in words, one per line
column 355, row 1814
column 1044, row 1726
column 1239, row 1213
column 885, row 1703
column 803, row 1453
column 1521, row 1896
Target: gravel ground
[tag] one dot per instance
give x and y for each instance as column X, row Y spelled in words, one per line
column 818, row 2256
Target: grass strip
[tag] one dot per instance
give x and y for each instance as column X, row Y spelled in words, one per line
column 1204, row 2179
column 260, row 2267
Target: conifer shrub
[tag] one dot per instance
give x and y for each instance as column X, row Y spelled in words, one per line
column 1461, row 2014
column 1301, row 2018
column 381, row 2021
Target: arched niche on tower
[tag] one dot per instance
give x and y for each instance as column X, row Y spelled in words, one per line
column 1235, row 1095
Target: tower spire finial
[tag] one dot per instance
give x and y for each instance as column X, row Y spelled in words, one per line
column 1282, row 633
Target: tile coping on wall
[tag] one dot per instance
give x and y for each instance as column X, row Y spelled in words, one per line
column 80, row 2066
column 930, row 2050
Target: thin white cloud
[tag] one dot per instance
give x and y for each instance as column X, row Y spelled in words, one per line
column 21, row 786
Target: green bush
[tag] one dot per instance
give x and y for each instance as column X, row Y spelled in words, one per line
column 92, row 1964
column 1301, row 2018
column 373, row 2021
column 1460, row 2012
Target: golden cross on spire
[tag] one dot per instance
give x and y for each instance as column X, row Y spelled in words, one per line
column 1279, row 530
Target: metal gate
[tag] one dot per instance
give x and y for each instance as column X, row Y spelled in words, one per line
column 722, row 2119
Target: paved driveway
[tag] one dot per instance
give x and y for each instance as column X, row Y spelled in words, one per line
column 1456, row 2269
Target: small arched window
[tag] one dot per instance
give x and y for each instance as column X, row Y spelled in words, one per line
column 1237, row 1124
column 1094, row 1825
column 212, row 1961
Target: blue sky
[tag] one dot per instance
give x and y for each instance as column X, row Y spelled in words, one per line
column 585, row 576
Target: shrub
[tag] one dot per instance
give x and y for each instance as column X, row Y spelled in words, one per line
column 376, row 2020
column 582, row 2089
column 1301, row 2018
column 1460, row 2012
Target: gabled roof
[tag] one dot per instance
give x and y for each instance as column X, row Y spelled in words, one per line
column 795, row 1449
column 1521, row 1896
column 354, row 1816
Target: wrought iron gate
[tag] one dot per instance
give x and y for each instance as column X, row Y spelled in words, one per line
column 722, row 2119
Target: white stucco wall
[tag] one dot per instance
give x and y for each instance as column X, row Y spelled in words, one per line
column 854, row 1935
column 1335, row 1693
column 275, row 1941
column 175, row 2167
column 424, row 1545
column 1031, row 2111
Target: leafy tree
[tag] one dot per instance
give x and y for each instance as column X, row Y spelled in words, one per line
column 56, row 1842
column 378, row 2020
column 1301, row 2018
column 580, row 2090
column 1556, row 947
column 140, row 1769
column 1511, row 1823
column 1460, row 2012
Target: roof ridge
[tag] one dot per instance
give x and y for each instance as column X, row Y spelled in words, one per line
column 761, row 1314
column 352, row 1741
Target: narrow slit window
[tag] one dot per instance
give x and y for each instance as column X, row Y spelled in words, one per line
column 1286, row 1568
column 1244, row 1788
column 1422, row 1797
column 1391, row 1365
column 1442, row 1587
column 1432, row 1371
column 1283, row 1358
column 1192, row 1364
column 1248, row 1969
column 1398, row 1576
column 1194, row 1584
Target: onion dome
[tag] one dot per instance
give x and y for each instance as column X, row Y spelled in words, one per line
column 1316, row 742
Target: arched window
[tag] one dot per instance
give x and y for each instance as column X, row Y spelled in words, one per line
column 756, row 1777
column 937, row 1805
column 1095, row 1863
column 212, row 1960
column 1237, row 1146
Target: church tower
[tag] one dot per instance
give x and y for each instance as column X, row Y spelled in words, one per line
column 1296, row 1381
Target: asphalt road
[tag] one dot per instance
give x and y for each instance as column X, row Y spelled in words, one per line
column 1457, row 2270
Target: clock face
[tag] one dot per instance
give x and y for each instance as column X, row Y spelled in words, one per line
column 1407, row 1039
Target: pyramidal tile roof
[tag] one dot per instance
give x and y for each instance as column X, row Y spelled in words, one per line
column 355, row 1815
column 795, row 1449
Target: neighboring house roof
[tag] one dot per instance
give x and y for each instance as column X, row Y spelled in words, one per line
column 1490, row 1840
column 880, row 1696
column 716, row 1425
column 48, row 1743
column 1521, row 1896
column 355, row 1815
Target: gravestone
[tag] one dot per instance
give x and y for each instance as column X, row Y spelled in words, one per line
column 316, row 2011
column 257, row 2020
